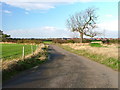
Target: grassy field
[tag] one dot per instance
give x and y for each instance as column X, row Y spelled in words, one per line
column 95, row 45
column 12, row 51
column 47, row 42
column 107, row 55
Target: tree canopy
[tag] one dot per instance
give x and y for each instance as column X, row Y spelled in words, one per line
column 83, row 22
column 3, row 37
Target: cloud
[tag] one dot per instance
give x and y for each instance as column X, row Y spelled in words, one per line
column 26, row 12
column 45, row 4
column 59, row 1
column 110, row 26
column 30, row 5
column 7, row 11
column 109, row 15
column 49, row 28
column 42, row 32
column 52, row 32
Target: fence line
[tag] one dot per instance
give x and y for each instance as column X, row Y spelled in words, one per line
column 17, row 53
column 23, row 53
column 32, row 50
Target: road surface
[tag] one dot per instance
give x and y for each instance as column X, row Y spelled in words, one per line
column 65, row 70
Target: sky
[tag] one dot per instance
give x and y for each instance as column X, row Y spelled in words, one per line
column 47, row 19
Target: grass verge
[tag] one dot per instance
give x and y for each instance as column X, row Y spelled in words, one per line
column 108, row 61
column 22, row 65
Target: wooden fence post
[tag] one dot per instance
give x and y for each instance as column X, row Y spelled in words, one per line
column 23, row 53
column 32, row 49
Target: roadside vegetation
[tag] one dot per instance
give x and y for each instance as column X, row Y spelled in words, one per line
column 102, row 53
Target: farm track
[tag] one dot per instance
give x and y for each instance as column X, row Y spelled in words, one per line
column 65, row 70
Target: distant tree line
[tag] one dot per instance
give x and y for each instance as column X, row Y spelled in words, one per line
column 3, row 37
column 87, row 40
column 23, row 40
column 7, row 38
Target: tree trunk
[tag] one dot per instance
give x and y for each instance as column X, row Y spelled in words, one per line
column 81, row 36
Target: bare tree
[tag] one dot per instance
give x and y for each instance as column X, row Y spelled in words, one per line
column 92, row 33
column 83, row 22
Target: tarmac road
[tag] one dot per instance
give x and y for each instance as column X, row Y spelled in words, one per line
column 65, row 70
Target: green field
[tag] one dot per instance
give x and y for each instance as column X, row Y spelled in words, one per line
column 95, row 45
column 12, row 51
column 47, row 42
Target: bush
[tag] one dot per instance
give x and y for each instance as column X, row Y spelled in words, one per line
column 70, row 41
column 86, row 41
column 59, row 41
column 115, row 41
column 95, row 45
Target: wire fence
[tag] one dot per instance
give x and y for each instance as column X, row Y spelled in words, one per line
column 17, row 51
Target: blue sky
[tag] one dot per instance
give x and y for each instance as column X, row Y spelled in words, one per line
column 35, row 19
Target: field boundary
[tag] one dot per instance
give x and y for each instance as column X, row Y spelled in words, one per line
column 15, row 51
column 18, row 66
column 6, row 62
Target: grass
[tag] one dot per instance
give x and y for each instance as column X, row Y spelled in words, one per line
column 47, row 42
column 95, row 40
column 22, row 65
column 95, row 45
column 13, row 51
column 108, row 61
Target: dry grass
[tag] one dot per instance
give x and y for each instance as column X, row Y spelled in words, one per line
column 108, row 51
column 107, row 55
